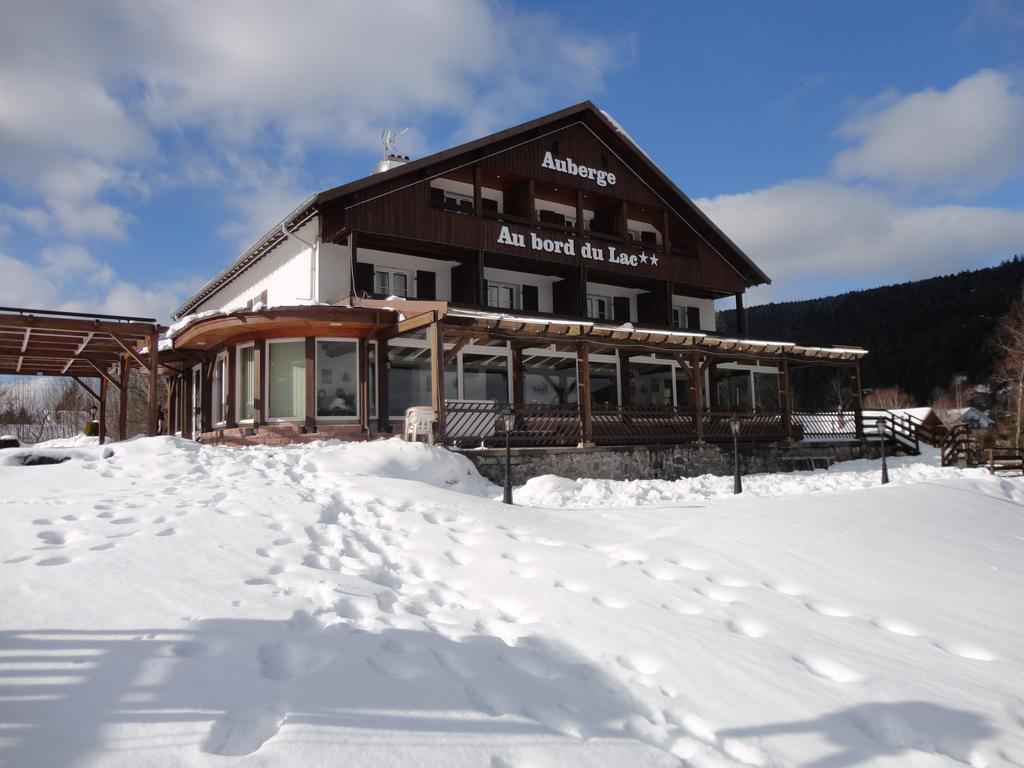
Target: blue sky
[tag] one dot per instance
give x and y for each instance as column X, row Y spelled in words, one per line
column 843, row 146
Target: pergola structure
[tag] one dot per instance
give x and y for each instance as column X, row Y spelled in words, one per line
column 79, row 346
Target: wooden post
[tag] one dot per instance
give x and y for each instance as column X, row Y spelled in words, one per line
column 259, row 405
column 579, row 212
column 154, row 379
column 583, row 394
column 624, row 218
column 581, row 299
column 206, row 396
column 666, row 241
column 531, row 194
column 173, row 386
column 481, row 279
column 310, row 420
column 786, row 405
column 696, row 375
column 231, row 417
column 435, row 338
column 103, row 410
column 624, row 393
column 478, row 192
column 353, row 261
column 383, row 387
column 741, row 318
column 856, row 400
column 712, row 389
column 122, row 413
column 363, row 374
column 168, row 406
column 186, row 404
column 516, row 362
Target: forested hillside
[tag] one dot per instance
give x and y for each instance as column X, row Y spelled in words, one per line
column 918, row 334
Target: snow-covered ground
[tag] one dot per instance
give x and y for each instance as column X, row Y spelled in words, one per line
column 171, row 604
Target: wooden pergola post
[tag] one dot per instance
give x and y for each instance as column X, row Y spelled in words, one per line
column 103, row 410
column 154, row 380
column 785, row 404
column 435, row 339
column 259, row 405
column 856, row 400
column 231, row 405
column 696, row 375
column 624, row 393
column 363, row 374
column 383, row 387
column 517, row 372
column 122, row 413
column 168, row 408
column 583, row 393
column 310, row 420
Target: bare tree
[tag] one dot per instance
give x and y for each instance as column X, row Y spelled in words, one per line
column 887, row 399
column 1009, row 345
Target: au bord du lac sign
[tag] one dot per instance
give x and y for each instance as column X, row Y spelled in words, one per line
column 607, row 253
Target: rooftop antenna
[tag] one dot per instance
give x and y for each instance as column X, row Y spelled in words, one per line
column 388, row 138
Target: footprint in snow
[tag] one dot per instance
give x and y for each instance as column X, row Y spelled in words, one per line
column 167, row 532
column 102, row 547
column 573, row 586
column 897, row 627
column 644, row 665
column 686, row 609
column 21, row 559
column 826, row 609
column 54, row 561
column 717, row 594
column 242, row 733
column 728, row 581
column 53, row 538
column 663, row 572
column 747, row 628
column 607, row 601
column 458, row 557
column 785, row 588
column 971, row 652
column 828, row 669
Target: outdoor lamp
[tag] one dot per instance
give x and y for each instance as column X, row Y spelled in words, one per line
column 92, row 412
column 508, row 414
column 734, row 426
column 880, row 427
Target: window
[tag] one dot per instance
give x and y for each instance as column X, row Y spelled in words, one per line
column 485, row 377
column 502, row 295
column 408, row 378
column 246, row 371
column 390, row 282
column 650, row 384
column 550, row 380
column 337, row 386
column 218, row 394
column 686, row 317
column 371, row 373
column 286, row 377
column 599, row 307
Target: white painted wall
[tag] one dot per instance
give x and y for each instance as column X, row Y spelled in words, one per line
column 603, row 289
column 285, row 273
column 407, row 263
column 706, row 307
column 335, row 271
column 544, row 283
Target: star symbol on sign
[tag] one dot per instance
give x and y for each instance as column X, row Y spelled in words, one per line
column 654, row 260
column 643, row 257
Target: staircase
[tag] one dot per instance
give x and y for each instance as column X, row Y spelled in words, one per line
column 906, row 432
column 958, row 448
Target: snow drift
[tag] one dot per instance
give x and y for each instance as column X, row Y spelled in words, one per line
column 174, row 604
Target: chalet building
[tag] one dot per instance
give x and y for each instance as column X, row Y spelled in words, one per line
column 551, row 267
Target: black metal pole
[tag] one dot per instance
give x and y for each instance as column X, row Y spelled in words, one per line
column 737, row 484
column 508, row 459
column 885, row 467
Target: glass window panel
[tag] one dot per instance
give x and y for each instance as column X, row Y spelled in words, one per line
column 399, row 284
column 734, row 391
column 337, row 386
column 650, row 384
column 684, row 390
column 217, row 393
column 550, row 380
column 766, row 389
column 382, row 283
column 408, row 380
column 485, row 377
column 245, row 377
column 371, row 370
column 287, row 379
column 604, row 387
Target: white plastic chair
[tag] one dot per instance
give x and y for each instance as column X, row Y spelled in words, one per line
column 419, row 420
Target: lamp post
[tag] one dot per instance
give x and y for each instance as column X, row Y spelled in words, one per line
column 92, row 412
column 734, row 425
column 508, row 414
column 880, row 426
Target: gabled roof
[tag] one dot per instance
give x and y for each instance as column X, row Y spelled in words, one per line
column 597, row 120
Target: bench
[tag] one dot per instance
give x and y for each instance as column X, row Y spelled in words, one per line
column 1005, row 460
column 808, row 462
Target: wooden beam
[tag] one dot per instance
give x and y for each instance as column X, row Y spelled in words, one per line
column 122, row 414
column 103, row 374
column 24, row 341
column 856, row 400
column 310, row 415
column 583, row 393
column 127, row 348
column 103, row 411
column 414, row 323
column 785, row 400
column 435, row 338
column 70, row 325
column 383, row 387
column 478, row 194
column 517, row 374
column 231, row 374
column 696, row 376
column 87, row 388
column 452, row 353
column 363, row 377
column 259, row 361
column 154, row 376
column 624, row 393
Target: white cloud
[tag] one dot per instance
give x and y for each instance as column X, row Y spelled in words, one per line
column 964, row 139
column 118, row 84
column 68, row 277
column 812, row 235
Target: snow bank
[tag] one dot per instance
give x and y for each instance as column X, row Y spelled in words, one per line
column 176, row 604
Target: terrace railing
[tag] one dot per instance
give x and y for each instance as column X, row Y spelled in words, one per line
column 636, row 424
column 470, row 424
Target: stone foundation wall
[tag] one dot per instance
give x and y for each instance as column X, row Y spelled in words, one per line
column 661, row 462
